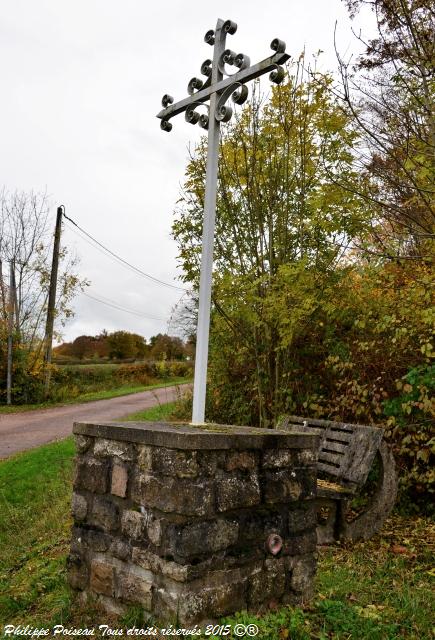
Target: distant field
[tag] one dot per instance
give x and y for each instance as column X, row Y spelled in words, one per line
column 72, row 362
column 70, row 381
column 111, row 366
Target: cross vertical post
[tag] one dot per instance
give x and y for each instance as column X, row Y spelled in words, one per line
column 203, row 329
column 218, row 90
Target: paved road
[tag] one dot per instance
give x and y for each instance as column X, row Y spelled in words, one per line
column 21, row 431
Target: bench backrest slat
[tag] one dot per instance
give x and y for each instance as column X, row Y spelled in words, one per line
column 332, row 445
column 346, row 451
column 340, row 436
column 331, row 458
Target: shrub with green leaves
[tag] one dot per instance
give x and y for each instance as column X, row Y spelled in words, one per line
column 410, row 426
column 353, row 345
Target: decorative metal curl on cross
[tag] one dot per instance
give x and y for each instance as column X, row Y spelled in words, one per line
column 219, row 90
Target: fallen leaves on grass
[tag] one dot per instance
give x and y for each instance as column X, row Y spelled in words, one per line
column 397, row 548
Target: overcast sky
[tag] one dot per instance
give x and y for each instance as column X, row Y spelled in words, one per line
column 82, row 82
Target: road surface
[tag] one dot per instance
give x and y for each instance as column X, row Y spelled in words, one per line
column 21, row 431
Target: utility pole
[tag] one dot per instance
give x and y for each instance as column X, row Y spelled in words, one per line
column 11, row 306
column 52, row 300
column 218, row 90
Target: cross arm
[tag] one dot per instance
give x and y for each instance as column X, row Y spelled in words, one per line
column 245, row 75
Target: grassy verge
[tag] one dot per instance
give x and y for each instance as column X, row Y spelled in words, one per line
column 35, row 489
column 94, row 395
column 35, row 526
column 160, row 412
column 377, row 590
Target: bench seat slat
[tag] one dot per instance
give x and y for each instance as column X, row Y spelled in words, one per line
column 326, row 489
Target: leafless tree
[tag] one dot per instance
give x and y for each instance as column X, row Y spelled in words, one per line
column 390, row 94
column 25, row 241
column 184, row 316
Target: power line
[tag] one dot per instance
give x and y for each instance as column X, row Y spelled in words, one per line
column 122, row 261
column 114, row 305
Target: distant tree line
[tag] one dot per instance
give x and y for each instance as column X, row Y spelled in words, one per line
column 123, row 345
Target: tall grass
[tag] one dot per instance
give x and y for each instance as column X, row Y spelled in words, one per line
column 72, row 381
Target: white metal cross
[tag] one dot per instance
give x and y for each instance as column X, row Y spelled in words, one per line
column 218, row 89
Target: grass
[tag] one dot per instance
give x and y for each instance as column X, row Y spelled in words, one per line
column 109, row 366
column 94, row 395
column 377, row 590
column 159, row 412
column 381, row 589
column 35, row 490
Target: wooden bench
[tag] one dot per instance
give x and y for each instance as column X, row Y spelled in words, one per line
column 347, row 453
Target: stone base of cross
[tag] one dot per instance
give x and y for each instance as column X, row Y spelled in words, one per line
column 217, row 87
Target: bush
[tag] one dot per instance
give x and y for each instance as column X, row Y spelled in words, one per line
column 27, row 372
column 69, row 381
column 410, row 429
column 353, row 345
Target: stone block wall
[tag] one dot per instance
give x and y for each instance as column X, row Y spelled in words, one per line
column 192, row 523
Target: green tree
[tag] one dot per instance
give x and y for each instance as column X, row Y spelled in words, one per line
column 282, row 219
column 83, row 347
column 141, row 346
column 122, row 345
column 166, row 347
column 303, row 321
